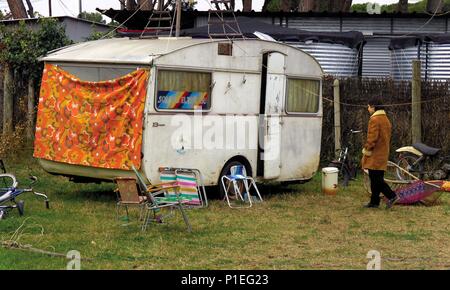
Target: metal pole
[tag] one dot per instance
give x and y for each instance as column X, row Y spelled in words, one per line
column 178, row 24
column 50, row 8
column 416, row 118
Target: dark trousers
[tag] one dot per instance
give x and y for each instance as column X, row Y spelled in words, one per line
column 378, row 185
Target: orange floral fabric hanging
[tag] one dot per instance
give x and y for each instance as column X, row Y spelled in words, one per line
column 95, row 124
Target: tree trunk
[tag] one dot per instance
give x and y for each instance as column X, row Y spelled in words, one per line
column 285, row 5
column 246, row 5
column 131, row 5
column 145, row 5
column 403, row 6
column 340, row 5
column 435, row 6
column 347, row 6
column 8, row 100
column 17, row 9
column 306, row 5
column 266, row 3
column 31, row 109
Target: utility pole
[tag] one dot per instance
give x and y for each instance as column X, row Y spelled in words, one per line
column 50, row 8
column 80, row 6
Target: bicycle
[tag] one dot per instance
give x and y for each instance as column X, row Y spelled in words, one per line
column 10, row 192
column 423, row 161
column 346, row 164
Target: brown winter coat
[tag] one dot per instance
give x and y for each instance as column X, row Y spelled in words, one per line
column 376, row 148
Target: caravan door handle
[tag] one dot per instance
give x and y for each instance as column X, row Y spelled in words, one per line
column 156, row 124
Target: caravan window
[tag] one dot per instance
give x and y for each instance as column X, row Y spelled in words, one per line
column 303, row 96
column 183, row 90
column 97, row 74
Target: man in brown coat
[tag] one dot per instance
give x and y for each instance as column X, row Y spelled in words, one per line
column 376, row 154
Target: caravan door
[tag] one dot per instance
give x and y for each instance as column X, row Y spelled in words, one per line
column 275, row 80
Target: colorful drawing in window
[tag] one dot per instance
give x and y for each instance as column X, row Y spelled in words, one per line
column 182, row 100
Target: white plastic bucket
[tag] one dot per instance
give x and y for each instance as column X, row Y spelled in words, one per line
column 330, row 180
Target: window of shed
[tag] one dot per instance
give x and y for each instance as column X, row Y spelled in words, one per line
column 183, row 90
column 303, row 96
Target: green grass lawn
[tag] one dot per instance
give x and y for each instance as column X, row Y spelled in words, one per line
column 297, row 227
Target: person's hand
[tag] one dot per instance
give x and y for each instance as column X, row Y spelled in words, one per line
column 366, row 152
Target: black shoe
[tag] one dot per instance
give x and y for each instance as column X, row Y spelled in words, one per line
column 371, row 205
column 391, row 202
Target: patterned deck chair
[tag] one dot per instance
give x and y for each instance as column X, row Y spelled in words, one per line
column 156, row 203
column 418, row 191
column 190, row 182
column 410, row 191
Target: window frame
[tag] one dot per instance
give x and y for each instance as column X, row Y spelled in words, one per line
column 155, row 95
column 306, row 114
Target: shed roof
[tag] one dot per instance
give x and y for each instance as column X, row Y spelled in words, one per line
column 120, row 50
column 248, row 26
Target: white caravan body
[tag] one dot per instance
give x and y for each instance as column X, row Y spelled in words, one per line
column 252, row 85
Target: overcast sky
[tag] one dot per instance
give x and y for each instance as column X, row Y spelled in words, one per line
column 71, row 7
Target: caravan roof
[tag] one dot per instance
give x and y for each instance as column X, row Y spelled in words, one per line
column 121, row 50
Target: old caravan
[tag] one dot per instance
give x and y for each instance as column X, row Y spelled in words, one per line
column 209, row 104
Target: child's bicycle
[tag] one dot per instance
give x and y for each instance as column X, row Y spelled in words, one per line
column 9, row 192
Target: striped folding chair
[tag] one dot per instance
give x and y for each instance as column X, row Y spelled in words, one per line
column 190, row 182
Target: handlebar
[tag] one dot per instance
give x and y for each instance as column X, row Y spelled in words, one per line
column 33, row 179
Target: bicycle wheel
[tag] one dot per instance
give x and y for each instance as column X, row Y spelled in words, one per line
column 406, row 161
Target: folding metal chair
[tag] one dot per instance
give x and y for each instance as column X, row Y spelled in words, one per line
column 190, row 181
column 128, row 194
column 241, row 185
column 156, row 203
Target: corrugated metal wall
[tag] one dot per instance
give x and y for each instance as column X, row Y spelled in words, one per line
column 379, row 25
column 401, row 60
column 435, row 61
column 315, row 24
column 335, row 59
column 419, row 25
column 438, row 61
column 376, row 61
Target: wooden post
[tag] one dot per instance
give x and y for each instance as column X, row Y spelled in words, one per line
column 337, row 116
column 31, row 111
column 8, row 100
column 416, row 117
column 247, row 5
